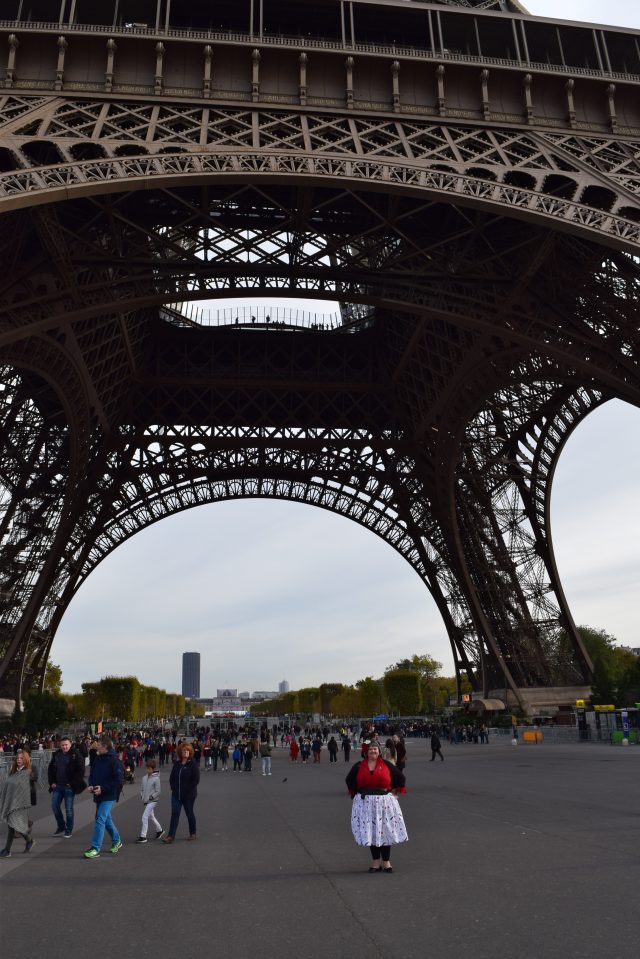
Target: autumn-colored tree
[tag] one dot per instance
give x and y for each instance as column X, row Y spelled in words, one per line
column 328, row 691
column 347, row 702
column 308, row 700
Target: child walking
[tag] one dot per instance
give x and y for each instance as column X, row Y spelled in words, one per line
column 149, row 794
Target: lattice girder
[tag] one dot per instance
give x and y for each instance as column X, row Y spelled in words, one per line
column 178, row 469
column 45, row 424
column 503, row 487
column 588, row 185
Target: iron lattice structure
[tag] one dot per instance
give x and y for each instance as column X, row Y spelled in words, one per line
column 462, row 178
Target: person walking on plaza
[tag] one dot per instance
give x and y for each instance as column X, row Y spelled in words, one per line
column 376, row 817
column 150, row 794
column 435, row 747
column 105, row 782
column 316, row 748
column 346, row 747
column 265, row 756
column 224, row 756
column 401, row 752
column 66, row 781
column 183, row 781
column 294, row 749
column 332, row 749
column 15, row 803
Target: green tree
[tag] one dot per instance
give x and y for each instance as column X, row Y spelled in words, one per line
column 403, row 688
column 616, row 672
column 53, row 679
column 121, row 696
column 427, row 667
column 44, row 711
column 608, row 667
column 93, row 704
column 372, row 699
column 76, row 706
column 170, row 707
column 428, row 670
column 629, row 688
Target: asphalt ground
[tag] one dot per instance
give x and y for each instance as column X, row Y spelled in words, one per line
column 530, row 851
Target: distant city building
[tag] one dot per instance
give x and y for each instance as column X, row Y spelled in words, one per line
column 245, row 695
column 191, row 675
column 634, row 650
column 283, row 687
column 264, row 694
column 227, row 701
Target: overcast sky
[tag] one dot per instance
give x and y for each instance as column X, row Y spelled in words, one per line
column 268, row 590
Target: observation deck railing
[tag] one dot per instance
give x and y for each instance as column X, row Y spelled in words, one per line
column 308, row 43
column 265, row 317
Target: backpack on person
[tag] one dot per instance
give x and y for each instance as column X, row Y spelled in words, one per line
column 118, row 768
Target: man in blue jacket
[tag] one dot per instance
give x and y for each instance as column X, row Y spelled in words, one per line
column 105, row 782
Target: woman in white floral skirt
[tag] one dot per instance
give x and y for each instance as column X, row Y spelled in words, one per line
column 376, row 817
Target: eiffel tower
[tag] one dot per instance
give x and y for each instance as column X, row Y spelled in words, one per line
column 462, row 178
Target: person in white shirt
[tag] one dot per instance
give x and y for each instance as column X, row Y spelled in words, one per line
column 149, row 794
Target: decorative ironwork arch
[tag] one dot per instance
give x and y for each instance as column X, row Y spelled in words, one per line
column 476, row 216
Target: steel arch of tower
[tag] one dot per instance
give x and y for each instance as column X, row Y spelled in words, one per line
column 463, row 178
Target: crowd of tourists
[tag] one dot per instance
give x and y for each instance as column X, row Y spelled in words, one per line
column 103, row 764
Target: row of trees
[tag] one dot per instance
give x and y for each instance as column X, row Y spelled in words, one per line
column 616, row 672
column 414, row 685
column 123, row 698
column 127, row 699
column 407, row 687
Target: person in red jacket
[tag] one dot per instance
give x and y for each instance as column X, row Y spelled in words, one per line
column 376, row 817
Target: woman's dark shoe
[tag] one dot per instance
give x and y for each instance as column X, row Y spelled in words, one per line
column 374, row 869
column 388, row 869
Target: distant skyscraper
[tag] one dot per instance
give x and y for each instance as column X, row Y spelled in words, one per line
column 283, row 687
column 191, row 675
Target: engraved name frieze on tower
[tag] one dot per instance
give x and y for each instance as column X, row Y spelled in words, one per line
column 461, row 177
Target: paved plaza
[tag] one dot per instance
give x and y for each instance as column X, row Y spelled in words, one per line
column 531, row 851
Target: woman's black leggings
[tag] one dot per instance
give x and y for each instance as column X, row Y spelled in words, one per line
column 11, row 835
column 378, row 851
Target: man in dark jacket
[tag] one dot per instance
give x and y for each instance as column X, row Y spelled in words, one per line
column 66, row 781
column 435, row 746
column 105, row 782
